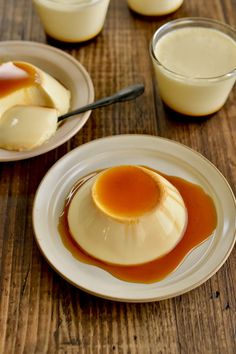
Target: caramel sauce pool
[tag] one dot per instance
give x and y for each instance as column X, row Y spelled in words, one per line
column 202, row 220
column 12, row 79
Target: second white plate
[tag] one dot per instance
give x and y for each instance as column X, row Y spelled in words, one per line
column 164, row 155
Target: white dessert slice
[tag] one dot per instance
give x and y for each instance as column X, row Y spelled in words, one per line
column 110, row 228
column 26, row 127
column 40, row 90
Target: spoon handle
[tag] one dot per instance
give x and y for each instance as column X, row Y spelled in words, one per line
column 126, row 94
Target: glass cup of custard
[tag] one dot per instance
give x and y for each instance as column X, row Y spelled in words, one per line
column 154, row 7
column 194, row 61
column 72, row 20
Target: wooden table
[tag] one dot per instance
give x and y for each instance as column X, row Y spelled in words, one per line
column 42, row 313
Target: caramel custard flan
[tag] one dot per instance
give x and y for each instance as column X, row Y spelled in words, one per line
column 127, row 215
column 202, row 220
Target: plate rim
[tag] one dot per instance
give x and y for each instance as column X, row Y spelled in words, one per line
column 154, row 298
column 84, row 117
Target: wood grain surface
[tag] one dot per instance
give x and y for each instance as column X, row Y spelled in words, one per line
column 42, row 313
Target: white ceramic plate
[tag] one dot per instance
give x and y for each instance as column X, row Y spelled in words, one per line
column 65, row 69
column 164, row 155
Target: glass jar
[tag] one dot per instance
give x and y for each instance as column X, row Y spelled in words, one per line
column 72, row 20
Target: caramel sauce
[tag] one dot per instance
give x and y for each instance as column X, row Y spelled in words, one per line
column 127, row 191
column 11, row 79
column 202, row 220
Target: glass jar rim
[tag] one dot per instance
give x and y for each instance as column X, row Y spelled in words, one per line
column 193, row 22
column 74, row 4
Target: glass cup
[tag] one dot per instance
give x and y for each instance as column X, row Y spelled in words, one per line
column 192, row 94
column 72, row 20
column 154, row 7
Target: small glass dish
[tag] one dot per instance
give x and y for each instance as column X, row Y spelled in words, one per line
column 203, row 46
column 154, row 7
column 72, row 20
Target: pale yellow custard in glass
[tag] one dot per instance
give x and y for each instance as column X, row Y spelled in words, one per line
column 72, row 20
column 195, row 67
column 154, row 7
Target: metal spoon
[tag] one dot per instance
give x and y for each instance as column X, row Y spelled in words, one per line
column 125, row 94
